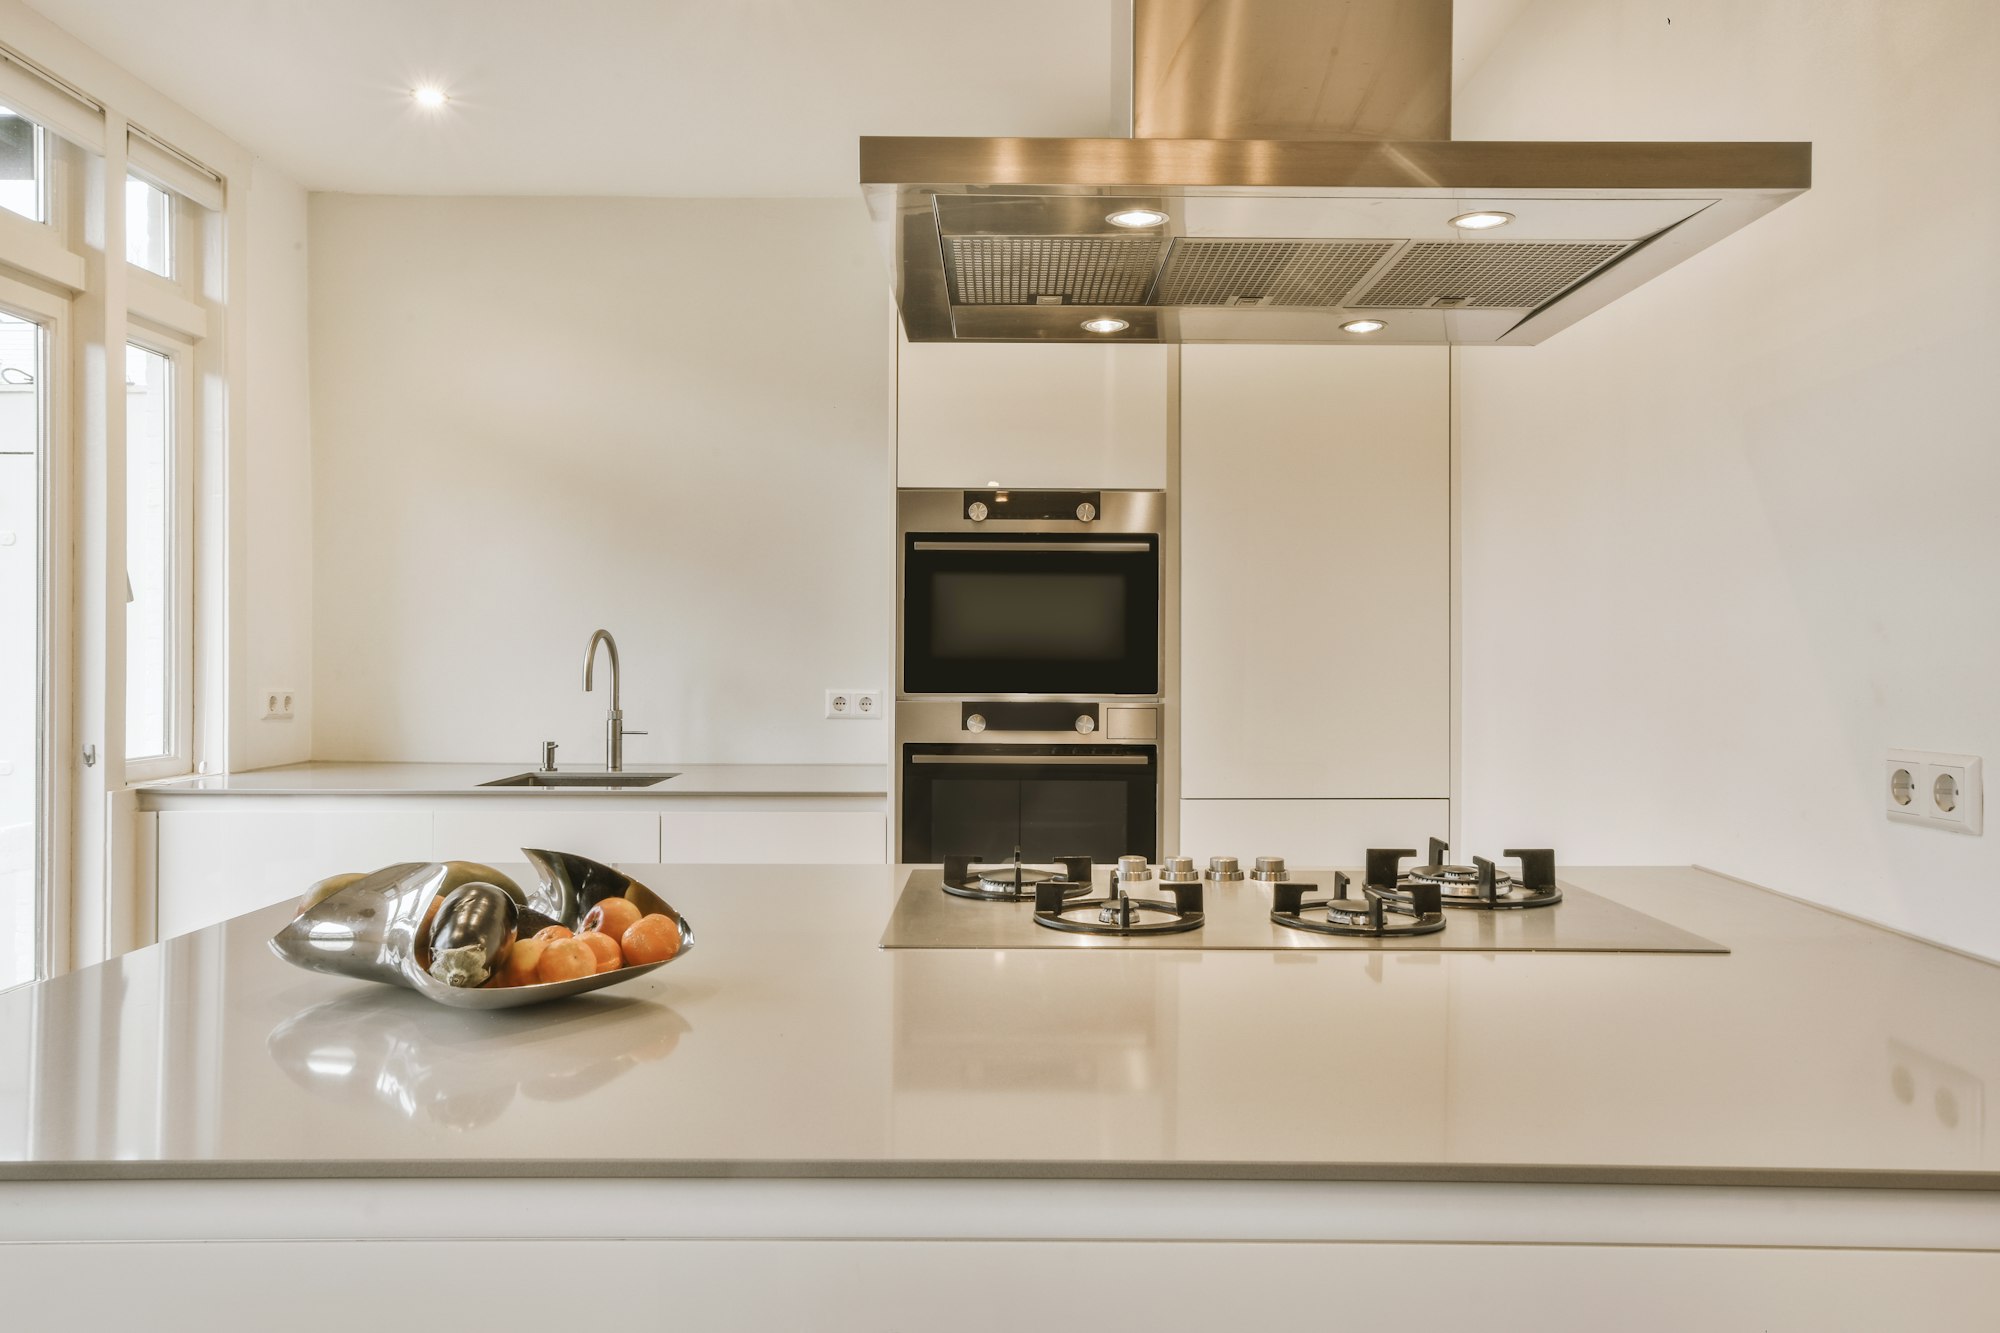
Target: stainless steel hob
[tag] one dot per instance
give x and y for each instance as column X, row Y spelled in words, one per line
column 1126, row 907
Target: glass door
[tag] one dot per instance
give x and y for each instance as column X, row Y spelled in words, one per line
column 25, row 580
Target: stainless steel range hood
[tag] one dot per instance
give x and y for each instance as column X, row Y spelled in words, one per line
column 1299, row 153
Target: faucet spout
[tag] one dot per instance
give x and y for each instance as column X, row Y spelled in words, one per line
column 614, row 716
column 602, row 636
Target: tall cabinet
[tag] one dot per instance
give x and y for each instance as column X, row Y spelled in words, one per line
column 1315, row 599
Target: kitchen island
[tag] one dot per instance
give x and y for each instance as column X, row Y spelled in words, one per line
column 792, row 1126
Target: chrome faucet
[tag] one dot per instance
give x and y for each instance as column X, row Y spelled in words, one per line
column 614, row 719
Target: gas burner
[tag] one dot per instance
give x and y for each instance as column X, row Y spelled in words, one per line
column 1118, row 912
column 1012, row 882
column 1481, row 886
column 1374, row 913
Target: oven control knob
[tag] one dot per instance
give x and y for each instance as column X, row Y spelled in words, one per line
column 1086, row 511
column 1270, row 869
column 1179, row 870
column 1132, row 869
column 975, row 722
column 976, row 511
column 1085, row 723
column 1223, row 868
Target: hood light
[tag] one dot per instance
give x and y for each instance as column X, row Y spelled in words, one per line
column 1482, row 220
column 429, row 96
column 1363, row 326
column 1136, row 217
column 1104, row 325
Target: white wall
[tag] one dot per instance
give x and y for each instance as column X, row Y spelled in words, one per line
column 271, row 631
column 535, row 417
column 1730, row 539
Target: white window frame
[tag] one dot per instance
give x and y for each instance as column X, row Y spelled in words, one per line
column 55, row 693
column 180, row 755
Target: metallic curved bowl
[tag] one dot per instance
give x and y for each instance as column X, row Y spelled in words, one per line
column 369, row 930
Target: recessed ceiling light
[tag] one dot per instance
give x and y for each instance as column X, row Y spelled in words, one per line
column 429, row 96
column 1136, row 217
column 1363, row 326
column 1481, row 220
column 1104, row 325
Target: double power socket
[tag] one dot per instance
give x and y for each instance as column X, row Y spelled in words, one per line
column 854, row 703
column 1937, row 790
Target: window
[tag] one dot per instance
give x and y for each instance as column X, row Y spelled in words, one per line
column 157, row 511
column 149, row 227
column 22, row 169
column 23, row 639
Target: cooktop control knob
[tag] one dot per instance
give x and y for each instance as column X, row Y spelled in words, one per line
column 1085, row 723
column 1222, row 869
column 976, row 511
column 1086, row 511
column 1270, row 869
column 1179, row 870
column 1132, row 868
column 975, row 722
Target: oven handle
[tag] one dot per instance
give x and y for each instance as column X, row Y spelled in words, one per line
column 1030, row 759
column 1106, row 548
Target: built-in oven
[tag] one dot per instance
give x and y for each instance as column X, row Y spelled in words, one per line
column 1054, row 778
column 1029, row 593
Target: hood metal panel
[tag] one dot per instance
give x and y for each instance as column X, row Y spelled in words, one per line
column 1007, row 239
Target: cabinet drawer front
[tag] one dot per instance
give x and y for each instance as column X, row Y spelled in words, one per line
column 214, row 865
column 792, row 837
column 497, row 836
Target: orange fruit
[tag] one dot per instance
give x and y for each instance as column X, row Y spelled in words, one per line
column 604, row 948
column 566, row 960
column 651, row 939
column 613, row 916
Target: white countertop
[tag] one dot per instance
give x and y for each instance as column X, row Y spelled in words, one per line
column 357, row 779
column 1818, row 1051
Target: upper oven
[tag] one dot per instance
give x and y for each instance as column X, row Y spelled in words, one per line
column 1029, row 592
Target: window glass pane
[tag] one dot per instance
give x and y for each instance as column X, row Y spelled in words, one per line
column 149, row 511
column 22, row 356
column 21, row 167
column 149, row 219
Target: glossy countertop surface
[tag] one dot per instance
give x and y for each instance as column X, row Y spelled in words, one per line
column 1817, row 1051
column 357, row 779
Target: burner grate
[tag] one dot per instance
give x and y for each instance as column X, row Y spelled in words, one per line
column 1013, row 881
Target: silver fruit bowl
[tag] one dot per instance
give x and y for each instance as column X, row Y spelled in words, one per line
column 371, row 928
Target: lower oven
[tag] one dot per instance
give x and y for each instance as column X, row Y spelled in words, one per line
column 1053, row 778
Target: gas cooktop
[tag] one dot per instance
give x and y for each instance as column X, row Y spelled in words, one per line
column 968, row 904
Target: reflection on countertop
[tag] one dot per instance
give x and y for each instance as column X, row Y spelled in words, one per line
column 1818, row 1051
column 385, row 1050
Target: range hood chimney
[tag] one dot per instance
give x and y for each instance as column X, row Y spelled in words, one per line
column 1292, row 179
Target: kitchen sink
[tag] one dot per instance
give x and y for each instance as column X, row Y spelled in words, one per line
column 539, row 779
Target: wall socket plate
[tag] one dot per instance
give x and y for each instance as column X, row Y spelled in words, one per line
column 1938, row 790
column 278, row 704
column 854, row 703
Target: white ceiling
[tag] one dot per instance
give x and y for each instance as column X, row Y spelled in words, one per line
column 626, row 97
column 594, row 97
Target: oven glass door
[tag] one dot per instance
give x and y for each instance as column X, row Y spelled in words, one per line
column 1100, row 801
column 1026, row 614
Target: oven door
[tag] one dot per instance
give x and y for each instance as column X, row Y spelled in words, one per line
column 1100, row 801
column 1031, row 614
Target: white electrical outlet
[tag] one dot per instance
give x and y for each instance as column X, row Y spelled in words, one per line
column 1939, row 790
column 853, row 703
column 278, row 704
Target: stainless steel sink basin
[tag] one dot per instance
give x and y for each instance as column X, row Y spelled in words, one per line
column 537, row 779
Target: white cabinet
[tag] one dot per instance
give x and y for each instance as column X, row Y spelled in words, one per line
column 474, row 832
column 1027, row 414
column 1308, row 833
column 1315, row 572
column 789, row 837
column 215, row 864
